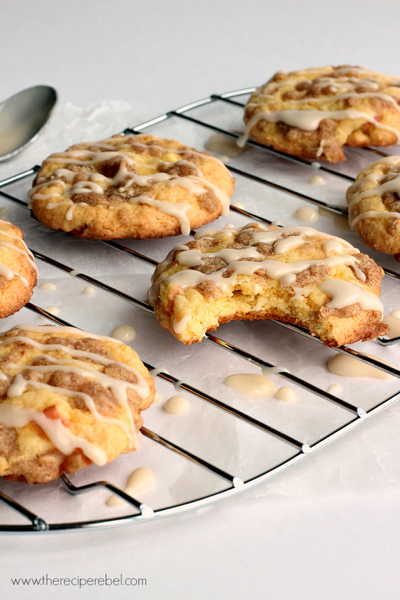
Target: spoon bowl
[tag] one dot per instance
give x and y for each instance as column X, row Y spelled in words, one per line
column 22, row 118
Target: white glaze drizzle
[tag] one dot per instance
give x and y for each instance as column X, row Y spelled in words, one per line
column 155, row 372
column 355, row 193
column 309, row 119
column 347, row 366
column 142, row 386
column 223, row 145
column 124, row 333
column 194, row 184
column 49, row 286
column 335, row 389
column 317, row 180
column 141, row 479
column 282, row 238
column 346, row 96
column 178, row 385
column 342, row 293
column 390, row 186
column 58, row 434
column 157, row 398
column 320, row 148
column 20, row 384
column 251, row 385
column 72, row 330
column 275, row 269
column 285, row 393
column 342, row 84
column 394, row 325
column 306, row 213
column 176, row 405
column 23, row 251
column 374, row 214
column 88, row 290
column 6, row 271
column 237, row 264
column 118, row 388
column 9, row 274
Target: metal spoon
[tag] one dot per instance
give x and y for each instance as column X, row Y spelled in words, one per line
column 22, row 117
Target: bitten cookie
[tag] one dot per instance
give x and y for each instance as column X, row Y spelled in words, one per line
column 313, row 113
column 18, row 272
column 68, row 399
column 134, row 186
column 374, row 205
column 292, row 274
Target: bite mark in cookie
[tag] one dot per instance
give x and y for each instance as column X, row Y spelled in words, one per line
column 304, row 277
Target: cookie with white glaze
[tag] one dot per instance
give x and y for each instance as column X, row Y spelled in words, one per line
column 130, row 186
column 313, row 113
column 18, row 272
column 374, row 205
column 68, row 399
column 292, row 274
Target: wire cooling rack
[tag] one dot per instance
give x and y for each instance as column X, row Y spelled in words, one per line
column 227, row 443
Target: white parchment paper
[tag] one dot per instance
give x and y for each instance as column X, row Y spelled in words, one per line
column 367, row 456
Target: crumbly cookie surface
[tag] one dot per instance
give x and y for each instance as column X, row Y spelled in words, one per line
column 133, row 186
column 293, row 274
column 374, row 205
column 68, row 399
column 18, row 272
column 313, row 113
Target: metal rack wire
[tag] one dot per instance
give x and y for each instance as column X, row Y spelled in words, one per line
column 232, row 482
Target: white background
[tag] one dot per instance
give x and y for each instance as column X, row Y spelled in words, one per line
column 337, row 543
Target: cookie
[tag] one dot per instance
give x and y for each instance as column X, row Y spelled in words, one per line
column 68, row 399
column 293, row 274
column 18, row 272
column 374, row 205
column 133, row 186
column 313, row 113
